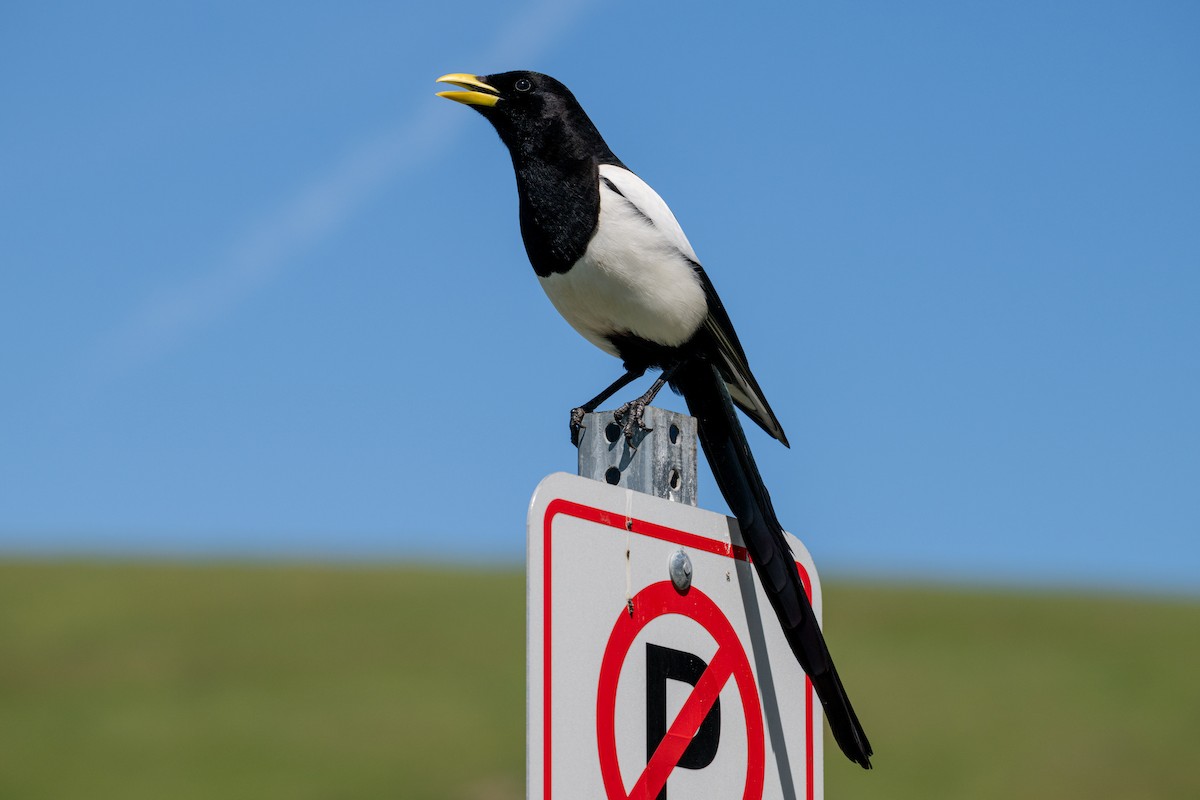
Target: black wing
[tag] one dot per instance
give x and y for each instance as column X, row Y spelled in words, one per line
column 730, row 358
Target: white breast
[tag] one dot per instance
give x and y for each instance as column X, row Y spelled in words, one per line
column 634, row 277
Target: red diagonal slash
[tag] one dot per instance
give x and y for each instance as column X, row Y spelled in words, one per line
column 683, row 729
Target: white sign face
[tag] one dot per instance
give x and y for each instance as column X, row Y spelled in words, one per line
column 640, row 691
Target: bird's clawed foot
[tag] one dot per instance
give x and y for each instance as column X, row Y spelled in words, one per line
column 630, row 418
column 577, row 425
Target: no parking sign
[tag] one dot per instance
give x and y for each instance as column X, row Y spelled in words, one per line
column 640, row 690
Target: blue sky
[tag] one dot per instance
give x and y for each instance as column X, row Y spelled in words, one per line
column 264, row 293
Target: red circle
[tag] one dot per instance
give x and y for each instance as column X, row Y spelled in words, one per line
column 656, row 600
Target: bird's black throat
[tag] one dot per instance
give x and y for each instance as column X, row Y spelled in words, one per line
column 558, row 184
column 559, row 208
column 556, row 153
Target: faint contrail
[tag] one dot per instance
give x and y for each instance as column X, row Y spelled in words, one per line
column 320, row 209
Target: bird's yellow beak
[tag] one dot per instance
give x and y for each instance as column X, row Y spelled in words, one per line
column 486, row 96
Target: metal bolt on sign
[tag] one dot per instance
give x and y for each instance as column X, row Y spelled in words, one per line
column 680, row 569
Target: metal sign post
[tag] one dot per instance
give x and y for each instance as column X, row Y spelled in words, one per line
column 656, row 667
column 662, row 461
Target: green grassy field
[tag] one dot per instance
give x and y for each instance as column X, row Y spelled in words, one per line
column 215, row 681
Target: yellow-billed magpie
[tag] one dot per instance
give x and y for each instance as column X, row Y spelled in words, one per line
column 618, row 267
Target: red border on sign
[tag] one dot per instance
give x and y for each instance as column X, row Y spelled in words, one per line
column 599, row 516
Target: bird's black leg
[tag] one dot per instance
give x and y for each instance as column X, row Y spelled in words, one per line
column 629, row 377
column 633, row 411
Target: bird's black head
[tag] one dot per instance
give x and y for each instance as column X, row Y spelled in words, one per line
column 536, row 116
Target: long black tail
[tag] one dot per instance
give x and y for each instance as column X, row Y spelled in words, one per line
column 733, row 466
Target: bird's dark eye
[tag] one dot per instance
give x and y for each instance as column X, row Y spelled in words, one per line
column 523, row 85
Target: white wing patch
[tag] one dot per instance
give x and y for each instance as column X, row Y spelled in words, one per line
column 635, row 278
column 638, row 192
